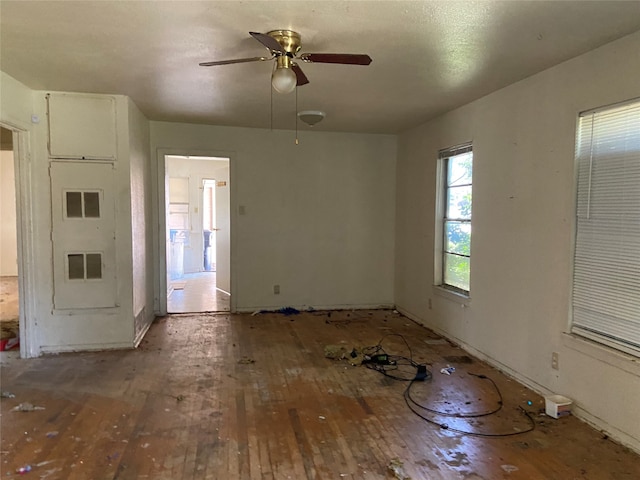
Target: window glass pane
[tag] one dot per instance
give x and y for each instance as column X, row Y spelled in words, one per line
column 458, row 237
column 94, row 265
column 460, row 169
column 456, row 271
column 74, row 205
column 76, row 266
column 91, row 204
column 459, row 202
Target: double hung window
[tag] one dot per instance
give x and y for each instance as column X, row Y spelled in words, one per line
column 456, row 171
column 606, row 273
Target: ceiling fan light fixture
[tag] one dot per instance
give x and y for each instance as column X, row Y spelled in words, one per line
column 283, row 80
column 311, row 117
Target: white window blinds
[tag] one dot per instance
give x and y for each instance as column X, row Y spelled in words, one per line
column 606, row 280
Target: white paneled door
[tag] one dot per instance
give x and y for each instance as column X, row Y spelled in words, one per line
column 83, row 235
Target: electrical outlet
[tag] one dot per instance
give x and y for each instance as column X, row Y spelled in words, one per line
column 276, row 289
column 554, row 361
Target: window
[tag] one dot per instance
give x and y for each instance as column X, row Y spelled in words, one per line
column 606, row 271
column 456, row 169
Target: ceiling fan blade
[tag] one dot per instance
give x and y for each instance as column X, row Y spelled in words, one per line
column 269, row 42
column 342, row 58
column 302, row 78
column 237, row 60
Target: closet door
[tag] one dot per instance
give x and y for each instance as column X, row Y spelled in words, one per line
column 83, row 235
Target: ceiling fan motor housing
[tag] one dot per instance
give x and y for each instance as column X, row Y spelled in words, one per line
column 288, row 39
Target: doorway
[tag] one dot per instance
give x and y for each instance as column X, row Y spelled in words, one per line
column 197, row 205
column 9, row 281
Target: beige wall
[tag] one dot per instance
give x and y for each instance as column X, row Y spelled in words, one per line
column 319, row 216
column 523, row 210
column 8, row 231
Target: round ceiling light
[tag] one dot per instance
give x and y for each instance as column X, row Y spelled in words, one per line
column 311, row 117
column 284, row 80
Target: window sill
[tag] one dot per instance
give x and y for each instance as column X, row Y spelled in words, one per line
column 460, row 298
column 603, row 353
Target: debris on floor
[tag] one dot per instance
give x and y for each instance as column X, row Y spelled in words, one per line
column 7, row 395
column 396, row 466
column 26, row 407
column 289, row 311
column 246, row 361
column 509, row 468
column 447, row 370
column 9, row 343
column 335, row 352
column 23, row 470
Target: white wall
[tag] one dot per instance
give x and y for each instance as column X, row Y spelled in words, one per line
column 319, row 216
column 141, row 225
column 8, row 231
column 523, row 209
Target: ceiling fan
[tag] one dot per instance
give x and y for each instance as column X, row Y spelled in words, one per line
column 284, row 45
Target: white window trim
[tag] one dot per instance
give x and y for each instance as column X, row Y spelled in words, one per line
column 586, row 339
column 439, row 288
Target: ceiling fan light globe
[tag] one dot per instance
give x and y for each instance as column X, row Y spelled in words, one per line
column 284, row 80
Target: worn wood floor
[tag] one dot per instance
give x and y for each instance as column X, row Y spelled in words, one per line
column 254, row 397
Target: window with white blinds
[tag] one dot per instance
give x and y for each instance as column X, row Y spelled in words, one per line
column 606, row 276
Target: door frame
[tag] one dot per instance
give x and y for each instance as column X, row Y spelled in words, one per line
column 159, row 215
column 201, row 206
column 25, row 238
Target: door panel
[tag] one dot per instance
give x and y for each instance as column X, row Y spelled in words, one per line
column 83, row 235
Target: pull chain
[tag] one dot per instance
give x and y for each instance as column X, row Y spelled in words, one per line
column 296, row 113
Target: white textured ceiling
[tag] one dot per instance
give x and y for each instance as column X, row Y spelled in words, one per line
column 428, row 56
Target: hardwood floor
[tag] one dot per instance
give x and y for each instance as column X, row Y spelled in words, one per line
column 198, row 293
column 254, row 397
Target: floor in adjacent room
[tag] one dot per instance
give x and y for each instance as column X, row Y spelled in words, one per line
column 197, row 292
column 9, row 307
column 226, row 396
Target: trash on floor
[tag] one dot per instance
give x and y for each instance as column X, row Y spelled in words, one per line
column 26, row 407
column 509, row 468
column 52, row 434
column 289, row 311
column 335, row 352
column 7, row 395
column 23, row 470
column 447, row 370
column 396, row 466
column 9, row 343
column 557, row 406
column 246, row 361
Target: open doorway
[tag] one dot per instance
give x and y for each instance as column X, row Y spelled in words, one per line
column 9, row 285
column 198, row 215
